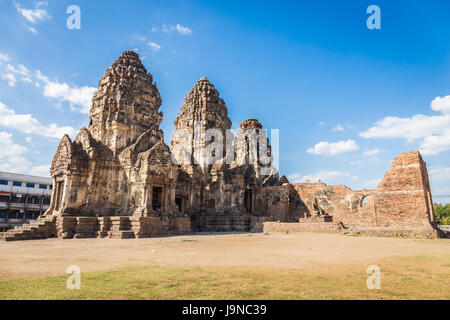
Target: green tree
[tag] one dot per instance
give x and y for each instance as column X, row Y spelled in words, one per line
column 442, row 213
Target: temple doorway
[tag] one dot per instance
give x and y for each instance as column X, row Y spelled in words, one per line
column 157, row 196
column 58, row 194
column 248, row 200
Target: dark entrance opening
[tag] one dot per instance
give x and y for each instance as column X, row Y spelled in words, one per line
column 248, row 200
column 179, row 202
column 157, row 198
column 59, row 192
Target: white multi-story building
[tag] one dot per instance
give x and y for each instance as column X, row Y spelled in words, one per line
column 22, row 198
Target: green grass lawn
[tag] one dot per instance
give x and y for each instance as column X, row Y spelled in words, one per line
column 420, row 277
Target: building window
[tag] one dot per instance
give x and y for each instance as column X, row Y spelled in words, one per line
column 42, row 186
column 3, row 214
column 30, row 185
column 34, row 200
column 17, row 184
column 17, row 199
column 3, row 182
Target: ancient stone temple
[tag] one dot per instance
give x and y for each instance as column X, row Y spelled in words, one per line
column 118, row 178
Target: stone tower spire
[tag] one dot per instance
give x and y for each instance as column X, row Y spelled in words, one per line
column 125, row 105
column 203, row 109
column 203, row 103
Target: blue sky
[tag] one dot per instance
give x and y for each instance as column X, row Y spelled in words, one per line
column 346, row 99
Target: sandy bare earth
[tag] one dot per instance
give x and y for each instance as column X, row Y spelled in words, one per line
column 30, row 259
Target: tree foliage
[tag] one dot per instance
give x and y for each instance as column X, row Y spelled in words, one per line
column 442, row 213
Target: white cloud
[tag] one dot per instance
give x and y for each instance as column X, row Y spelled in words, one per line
column 183, row 30
column 437, row 174
column 79, row 97
column 3, row 57
column 137, row 38
column 433, row 131
column 439, row 177
column 41, row 77
column 76, row 96
column 33, row 30
column 333, row 148
column 441, row 104
column 413, row 128
column 19, row 70
column 11, row 158
column 436, row 144
column 154, row 46
column 41, row 171
column 36, row 14
column 178, row 28
column 322, row 176
column 12, row 72
column 29, row 125
column 371, row 184
column 11, row 79
column 373, row 152
column 8, row 148
column 338, row 128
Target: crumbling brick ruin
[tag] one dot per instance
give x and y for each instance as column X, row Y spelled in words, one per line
column 118, row 179
column 400, row 206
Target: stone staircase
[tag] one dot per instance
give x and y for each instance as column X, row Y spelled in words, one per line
column 42, row 228
column 97, row 227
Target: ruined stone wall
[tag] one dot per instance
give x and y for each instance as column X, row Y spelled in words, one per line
column 340, row 202
column 403, row 197
column 401, row 204
column 281, row 203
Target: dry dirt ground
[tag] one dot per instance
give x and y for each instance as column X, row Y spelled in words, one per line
column 313, row 251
